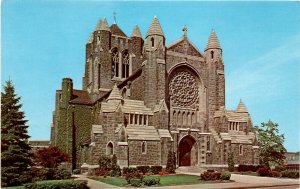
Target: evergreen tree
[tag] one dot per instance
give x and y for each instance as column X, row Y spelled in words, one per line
column 230, row 162
column 171, row 162
column 15, row 150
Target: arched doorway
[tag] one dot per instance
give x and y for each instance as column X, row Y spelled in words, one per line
column 187, row 151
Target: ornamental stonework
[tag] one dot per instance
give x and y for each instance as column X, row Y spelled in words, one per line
column 183, row 89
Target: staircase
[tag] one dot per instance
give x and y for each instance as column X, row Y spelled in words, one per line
column 190, row 170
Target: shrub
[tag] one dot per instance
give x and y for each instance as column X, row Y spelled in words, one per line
column 156, row 169
column 129, row 170
column 263, row 172
column 230, row 162
column 290, row 174
column 245, row 168
column 133, row 175
column 210, row 175
column 101, row 172
column 151, row 181
column 105, row 163
column 280, row 168
column 61, row 174
column 76, row 171
column 143, row 169
column 136, row 182
column 171, row 162
column 50, row 157
column 225, row 176
column 54, row 184
column 274, row 174
column 116, row 171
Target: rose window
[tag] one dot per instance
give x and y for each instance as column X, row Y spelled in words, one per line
column 183, row 89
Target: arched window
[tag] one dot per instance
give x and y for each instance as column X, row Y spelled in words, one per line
column 144, row 147
column 125, row 64
column 99, row 75
column 183, row 118
column 192, row 118
column 110, row 149
column 152, row 42
column 174, row 118
column 188, row 121
column 115, row 63
column 241, row 149
column 212, row 54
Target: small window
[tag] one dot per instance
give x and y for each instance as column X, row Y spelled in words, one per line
column 152, row 42
column 110, row 149
column 241, row 149
column 99, row 76
column 131, row 118
column 212, row 54
column 144, row 147
column 136, row 119
column 141, row 120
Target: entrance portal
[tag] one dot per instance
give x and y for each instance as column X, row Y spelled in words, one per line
column 187, row 150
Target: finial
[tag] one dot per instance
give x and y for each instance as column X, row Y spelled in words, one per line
column 212, row 30
column 184, row 29
column 155, row 16
column 115, row 20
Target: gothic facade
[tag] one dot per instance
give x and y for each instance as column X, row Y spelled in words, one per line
column 141, row 98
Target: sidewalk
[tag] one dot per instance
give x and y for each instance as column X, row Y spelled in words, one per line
column 241, row 181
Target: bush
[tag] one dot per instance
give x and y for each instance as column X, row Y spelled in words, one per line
column 61, row 184
column 156, row 169
column 101, row 172
column 210, row 175
column 61, row 174
column 105, row 163
column 135, row 175
column 136, row 182
column 129, row 170
column 151, row 181
column 164, row 173
column 263, row 172
column 76, row 171
column 274, row 174
column 143, row 169
column 290, row 174
column 171, row 162
column 225, row 176
column 230, row 162
column 246, row 168
column 116, row 171
column 280, row 168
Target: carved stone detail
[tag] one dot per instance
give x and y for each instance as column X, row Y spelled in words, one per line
column 183, row 89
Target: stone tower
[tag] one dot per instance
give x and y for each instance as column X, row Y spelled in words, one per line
column 215, row 76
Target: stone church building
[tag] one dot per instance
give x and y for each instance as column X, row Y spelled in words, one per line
column 141, row 98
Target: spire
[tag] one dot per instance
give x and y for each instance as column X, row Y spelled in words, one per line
column 184, row 30
column 115, row 94
column 102, row 25
column 99, row 25
column 241, row 108
column 155, row 28
column 136, row 32
column 213, row 42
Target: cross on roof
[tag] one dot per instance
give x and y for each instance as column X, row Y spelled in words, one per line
column 184, row 29
column 115, row 20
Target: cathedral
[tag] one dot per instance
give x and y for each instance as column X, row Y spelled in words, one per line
column 141, row 98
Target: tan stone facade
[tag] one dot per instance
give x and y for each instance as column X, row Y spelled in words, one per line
column 143, row 98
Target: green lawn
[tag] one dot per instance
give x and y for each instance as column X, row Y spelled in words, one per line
column 165, row 180
column 15, row 187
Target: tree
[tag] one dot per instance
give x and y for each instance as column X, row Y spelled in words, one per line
column 271, row 144
column 171, row 162
column 15, row 150
column 50, row 157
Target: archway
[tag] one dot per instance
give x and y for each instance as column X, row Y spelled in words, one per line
column 187, row 151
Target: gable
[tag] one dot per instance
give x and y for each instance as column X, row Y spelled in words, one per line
column 185, row 46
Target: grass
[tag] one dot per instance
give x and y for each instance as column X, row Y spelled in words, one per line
column 165, row 180
column 15, row 187
column 42, row 181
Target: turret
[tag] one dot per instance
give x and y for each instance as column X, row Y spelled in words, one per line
column 213, row 50
column 67, row 91
column 137, row 47
column 155, row 39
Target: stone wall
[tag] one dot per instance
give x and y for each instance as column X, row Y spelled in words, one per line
column 151, row 157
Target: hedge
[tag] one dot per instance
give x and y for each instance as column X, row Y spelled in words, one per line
column 58, row 184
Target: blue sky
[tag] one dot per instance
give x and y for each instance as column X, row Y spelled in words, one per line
column 44, row 41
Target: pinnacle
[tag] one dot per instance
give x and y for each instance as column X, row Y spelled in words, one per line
column 115, row 94
column 213, row 42
column 91, row 38
column 155, row 28
column 102, row 25
column 136, row 32
column 241, row 108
